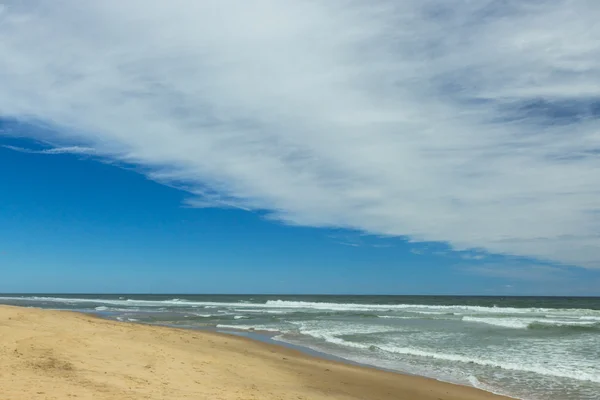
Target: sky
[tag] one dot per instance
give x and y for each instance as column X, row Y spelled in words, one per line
column 285, row 146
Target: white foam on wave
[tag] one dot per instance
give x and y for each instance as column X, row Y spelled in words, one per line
column 331, row 332
column 239, row 317
column 433, row 312
column 260, row 328
column 331, row 337
column 555, row 371
column 590, row 318
column 422, row 315
column 525, row 323
column 123, row 309
column 476, row 383
column 502, row 322
column 257, row 311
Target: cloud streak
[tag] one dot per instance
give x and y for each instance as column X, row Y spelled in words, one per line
column 470, row 123
column 55, row 150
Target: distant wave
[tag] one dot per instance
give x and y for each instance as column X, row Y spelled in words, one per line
column 433, row 308
column 282, row 305
column 567, row 326
column 207, row 315
column 426, row 316
column 116, row 309
column 256, row 311
column 528, row 323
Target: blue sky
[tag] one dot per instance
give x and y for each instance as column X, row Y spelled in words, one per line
column 72, row 223
column 300, row 147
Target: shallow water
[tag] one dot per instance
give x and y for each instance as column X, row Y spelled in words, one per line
column 525, row 347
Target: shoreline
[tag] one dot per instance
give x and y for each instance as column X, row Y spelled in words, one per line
column 48, row 354
column 265, row 337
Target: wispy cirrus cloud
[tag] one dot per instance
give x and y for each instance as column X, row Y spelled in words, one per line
column 470, row 123
column 469, row 256
column 55, row 150
column 356, row 239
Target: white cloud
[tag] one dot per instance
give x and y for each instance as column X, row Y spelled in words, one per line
column 473, row 123
column 468, row 256
column 55, row 150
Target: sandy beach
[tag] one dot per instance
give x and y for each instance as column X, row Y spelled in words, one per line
column 62, row 355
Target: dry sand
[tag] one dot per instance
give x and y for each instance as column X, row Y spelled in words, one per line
column 61, row 355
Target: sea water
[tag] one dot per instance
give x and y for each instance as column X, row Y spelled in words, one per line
column 533, row 348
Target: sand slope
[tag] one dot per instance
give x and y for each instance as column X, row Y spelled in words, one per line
column 59, row 355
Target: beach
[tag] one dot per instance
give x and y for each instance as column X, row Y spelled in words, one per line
column 48, row 354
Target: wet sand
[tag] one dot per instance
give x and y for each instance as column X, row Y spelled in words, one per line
column 61, row 355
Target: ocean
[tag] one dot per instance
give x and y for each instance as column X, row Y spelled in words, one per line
column 533, row 348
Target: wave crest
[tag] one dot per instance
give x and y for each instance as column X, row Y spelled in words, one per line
column 528, row 323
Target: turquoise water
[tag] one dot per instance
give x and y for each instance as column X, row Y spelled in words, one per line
column 526, row 347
